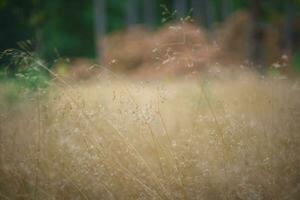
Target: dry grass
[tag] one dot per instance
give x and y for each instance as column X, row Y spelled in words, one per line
column 181, row 139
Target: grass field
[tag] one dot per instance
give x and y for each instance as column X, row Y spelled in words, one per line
column 205, row 138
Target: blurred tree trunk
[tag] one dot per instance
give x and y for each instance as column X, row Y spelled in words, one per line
column 181, row 8
column 100, row 26
column 203, row 12
column 198, row 7
column 257, row 35
column 132, row 13
column 39, row 42
column 149, row 13
column 288, row 27
column 226, row 9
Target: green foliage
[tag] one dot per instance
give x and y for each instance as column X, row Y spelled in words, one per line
column 30, row 74
column 68, row 29
column 2, row 3
column 3, row 73
column 32, row 78
column 167, row 14
column 11, row 93
column 115, row 15
column 297, row 61
column 274, row 72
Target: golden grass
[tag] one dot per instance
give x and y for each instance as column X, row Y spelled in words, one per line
column 181, row 139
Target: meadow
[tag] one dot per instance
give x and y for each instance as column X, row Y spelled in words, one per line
column 219, row 136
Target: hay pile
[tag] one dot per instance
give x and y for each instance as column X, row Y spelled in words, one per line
column 126, row 51
column 232, row 37
column 186, row 48
column 173, row 50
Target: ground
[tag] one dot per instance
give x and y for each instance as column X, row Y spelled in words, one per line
column 185, row 138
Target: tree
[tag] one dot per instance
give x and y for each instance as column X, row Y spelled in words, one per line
column 257, row 35
column 132, row 12
column 149, row 13
column 181, row 8
column 288, row 27
column 226, row 8
column 18, row 22
column 15, row 24
column 100, row 25
column 203, row 12
column 198, row 10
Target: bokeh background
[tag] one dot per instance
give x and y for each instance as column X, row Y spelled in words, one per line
column 260, row 32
